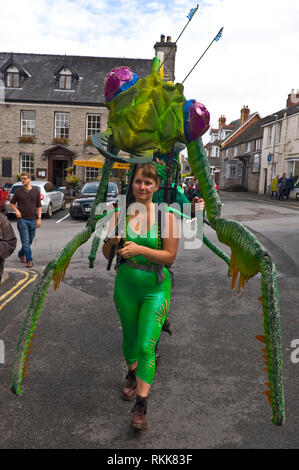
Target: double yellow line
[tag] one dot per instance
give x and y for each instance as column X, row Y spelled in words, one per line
column 29, row 276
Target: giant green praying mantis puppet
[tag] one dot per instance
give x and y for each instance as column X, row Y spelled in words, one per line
column 149, row 116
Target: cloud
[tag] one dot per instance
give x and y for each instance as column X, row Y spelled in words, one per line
column 255, row 63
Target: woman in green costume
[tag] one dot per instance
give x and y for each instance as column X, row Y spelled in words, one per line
column 142, row 287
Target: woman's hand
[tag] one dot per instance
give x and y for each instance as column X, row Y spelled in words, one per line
column 198, row 204
column 129, row 250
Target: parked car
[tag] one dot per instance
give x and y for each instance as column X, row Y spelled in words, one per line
column 52, row 200
column 81, row 205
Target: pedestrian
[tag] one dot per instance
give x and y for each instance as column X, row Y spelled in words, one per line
column 282, row 186
column 142, row 288
column 29, row 214
column 274, row 187
column 290, row 185
column 8, row 241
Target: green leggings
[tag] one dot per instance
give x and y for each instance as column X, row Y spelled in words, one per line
column 142, row 305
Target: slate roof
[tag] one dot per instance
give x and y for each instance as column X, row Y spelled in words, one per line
column 256, row 130
column 89, row 89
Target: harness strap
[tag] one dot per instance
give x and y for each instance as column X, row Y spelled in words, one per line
column 150, row 268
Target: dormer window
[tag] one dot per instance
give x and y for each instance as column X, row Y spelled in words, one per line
column 13, row 73
column 65, row 79
column 12, row 77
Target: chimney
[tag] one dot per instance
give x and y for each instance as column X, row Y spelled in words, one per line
column 245, row 112
column 293, row 98
column 221, row 121
column 166, row 51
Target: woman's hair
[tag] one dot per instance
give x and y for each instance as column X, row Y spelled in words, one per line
column 149, row 171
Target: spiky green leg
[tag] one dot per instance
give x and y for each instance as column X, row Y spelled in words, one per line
column 272, row 339
column 54, row 270
column 93, row 251
column 248, row 257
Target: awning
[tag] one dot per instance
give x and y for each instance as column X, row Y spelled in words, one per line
column 97, row 161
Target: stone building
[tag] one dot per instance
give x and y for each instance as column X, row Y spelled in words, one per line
column 240, row 154
column 50, row 105
column 213, row 147
column 280, row 149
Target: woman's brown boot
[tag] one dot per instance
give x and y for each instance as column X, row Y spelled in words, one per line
column 139, row 414
column 130, row 389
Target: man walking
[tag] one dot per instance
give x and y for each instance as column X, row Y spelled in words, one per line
column 29, row 214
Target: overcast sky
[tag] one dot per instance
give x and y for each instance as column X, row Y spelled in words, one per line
column 255, row 63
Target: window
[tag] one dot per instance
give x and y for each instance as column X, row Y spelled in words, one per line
column 6, row 167
column 247, row 147
column 27, row 123
column 235, row 150
column 12, row 77
column 258, row 144
column 93, row 124
column 256, row 163
column 27, row 163
column 279, row 129
column 91, row 173
column 49, row 188
column 62, row 124
column 65, row 81
column 230, row 171
column 270, row 135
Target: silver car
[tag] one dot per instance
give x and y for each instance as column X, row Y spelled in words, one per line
column 52, row 200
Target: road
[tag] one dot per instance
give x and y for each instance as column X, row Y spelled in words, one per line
column 209, row 383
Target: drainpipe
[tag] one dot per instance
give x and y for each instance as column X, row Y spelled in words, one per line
column 272, row 170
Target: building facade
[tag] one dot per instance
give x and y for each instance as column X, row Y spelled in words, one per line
column 280, row 150
column 240, row 154
column 50, row 105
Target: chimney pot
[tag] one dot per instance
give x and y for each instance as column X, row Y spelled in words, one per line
column 162, row 38
column 221, row 121
column 245, row 112
column 168, row 38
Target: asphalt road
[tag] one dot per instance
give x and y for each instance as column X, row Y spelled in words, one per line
column 209, row 383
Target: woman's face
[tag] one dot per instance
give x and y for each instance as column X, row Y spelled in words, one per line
column 143, row 187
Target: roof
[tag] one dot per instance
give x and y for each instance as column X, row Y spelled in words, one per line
column 230, row 139
column 89, row 89
column 271, row 118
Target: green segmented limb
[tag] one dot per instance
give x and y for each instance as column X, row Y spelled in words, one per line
column 93, row 251
column 54, row 270
column 248, row 257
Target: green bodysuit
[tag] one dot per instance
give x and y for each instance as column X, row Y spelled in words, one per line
column 142, row 304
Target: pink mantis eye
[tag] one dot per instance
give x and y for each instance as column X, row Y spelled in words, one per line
column 115, row 79
column 198, row 121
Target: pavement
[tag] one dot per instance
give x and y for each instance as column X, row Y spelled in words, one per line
column 260, row 197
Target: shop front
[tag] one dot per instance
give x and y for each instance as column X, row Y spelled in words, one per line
column 293, row 170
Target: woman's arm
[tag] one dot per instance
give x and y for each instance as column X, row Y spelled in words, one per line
column 170, row 245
